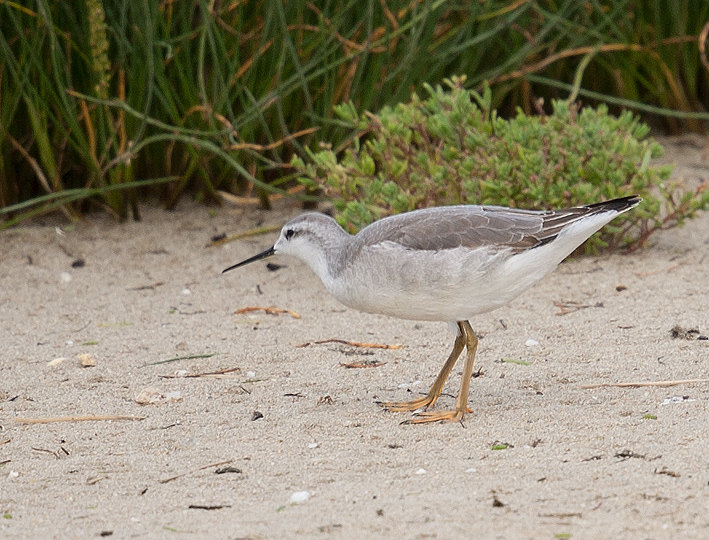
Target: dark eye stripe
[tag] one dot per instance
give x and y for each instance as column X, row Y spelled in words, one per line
column 290, row 233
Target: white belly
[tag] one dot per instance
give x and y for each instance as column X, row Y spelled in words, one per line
column 451, row 285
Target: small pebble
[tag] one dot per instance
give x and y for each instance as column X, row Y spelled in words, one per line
column 173, row 396
column 148, row 396
column 250, row 374
column 86, row 360
column 299, row 497
column 186, row 291
column 421, row 471
column 313, row 445
column 531, row 343
column 65, row 277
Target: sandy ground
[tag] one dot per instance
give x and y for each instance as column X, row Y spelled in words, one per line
column 222, row 456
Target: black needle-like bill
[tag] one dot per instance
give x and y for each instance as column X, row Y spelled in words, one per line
column 270, row 251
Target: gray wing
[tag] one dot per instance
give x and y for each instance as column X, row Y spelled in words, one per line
column 472, row 227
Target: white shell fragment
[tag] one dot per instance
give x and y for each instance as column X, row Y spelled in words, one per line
column 148, row 396
column 676, row 399
column 151, row 396
column 173, row 396
column 299, row 497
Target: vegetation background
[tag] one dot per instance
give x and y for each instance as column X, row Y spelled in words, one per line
column 105, row 102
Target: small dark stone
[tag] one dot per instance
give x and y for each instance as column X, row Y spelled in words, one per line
column 79, row 263
column 256, row 415
column 497, row 503
column 224, row 470
column 679, row 332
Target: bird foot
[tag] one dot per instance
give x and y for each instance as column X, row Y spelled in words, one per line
column 407, row 406
column 426, row 417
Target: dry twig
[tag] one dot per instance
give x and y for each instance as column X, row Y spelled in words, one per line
column 190, row 357
column 166, row 480
column 351, row 344
column 366, row 364
column 639, row 384
column 195, row 375
column 570, row 307
column 89, row 418
column 658, row 271
column 236, row 200
column 268, row 310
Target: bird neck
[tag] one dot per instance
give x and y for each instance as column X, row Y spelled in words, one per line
column 329, row 259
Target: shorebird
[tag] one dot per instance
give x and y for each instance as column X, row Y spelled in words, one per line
column 441, row 264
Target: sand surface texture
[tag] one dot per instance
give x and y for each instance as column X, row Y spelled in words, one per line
column 227, row 426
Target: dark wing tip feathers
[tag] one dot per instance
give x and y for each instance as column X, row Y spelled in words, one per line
column 563, row 218
column 619, row 205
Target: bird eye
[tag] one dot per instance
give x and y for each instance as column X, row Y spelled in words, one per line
column 289, row 234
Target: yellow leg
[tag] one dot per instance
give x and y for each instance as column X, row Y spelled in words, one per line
column 461, row 403
column 436, row 388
